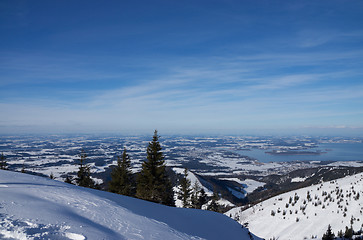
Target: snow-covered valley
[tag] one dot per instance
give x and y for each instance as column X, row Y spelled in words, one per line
column 207, row 156
column 38, row 208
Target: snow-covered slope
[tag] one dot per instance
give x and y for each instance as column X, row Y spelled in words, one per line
column 193, row 179
column 33, row 207
column 246, row 186
column 307, row 212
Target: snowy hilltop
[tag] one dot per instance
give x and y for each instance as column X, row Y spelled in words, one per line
column 306, row 213
column 33, row 207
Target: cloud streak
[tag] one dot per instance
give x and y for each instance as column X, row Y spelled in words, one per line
column 219, row 66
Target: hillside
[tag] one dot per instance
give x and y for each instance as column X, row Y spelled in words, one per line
column 194, row 179
column 306, row 213
column 33, row 207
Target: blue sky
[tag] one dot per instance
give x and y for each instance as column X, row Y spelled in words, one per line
column 181, row 66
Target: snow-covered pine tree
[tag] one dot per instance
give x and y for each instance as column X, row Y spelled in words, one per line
column 153, row 183
column 84, row 172
column 121, row 176
column 185, row 191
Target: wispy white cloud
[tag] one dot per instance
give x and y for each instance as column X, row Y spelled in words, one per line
column 237, row 91
column 314, row 37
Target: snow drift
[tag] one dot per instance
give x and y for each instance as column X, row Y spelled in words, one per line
column 33, row 207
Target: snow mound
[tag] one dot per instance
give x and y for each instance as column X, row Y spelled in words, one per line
column 26, row 229
column 33, row 207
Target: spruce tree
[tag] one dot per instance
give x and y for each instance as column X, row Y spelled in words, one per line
column 153, row 183
column 340, row 234
column 213, row 206
column 195, row 195
column 185, row 191
column 202, row 199
column 348, row 233
column 329, row 235
column 3, row 164
column 84, row 172
column 121, row 176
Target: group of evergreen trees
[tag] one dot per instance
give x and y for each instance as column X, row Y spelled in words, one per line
column 348, row 234
column 195, row 197
column 191, row 197
column 152, row 183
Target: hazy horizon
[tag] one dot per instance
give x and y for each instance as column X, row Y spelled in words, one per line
column 202, row 133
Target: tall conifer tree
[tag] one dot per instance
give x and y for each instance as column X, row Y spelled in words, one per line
column 84, row 172
column 195, row 195
column 185, row 190
column 153, row 183
column 121, row 176
column 329, row 235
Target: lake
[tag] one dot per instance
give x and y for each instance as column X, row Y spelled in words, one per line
column 334, row 152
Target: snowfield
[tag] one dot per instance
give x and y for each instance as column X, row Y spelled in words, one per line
column 306, row 213
column 249, row 185
column 33, row 207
